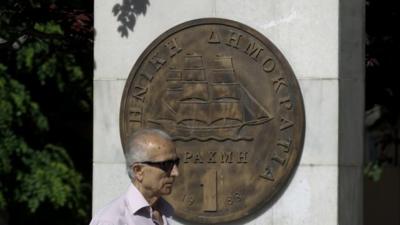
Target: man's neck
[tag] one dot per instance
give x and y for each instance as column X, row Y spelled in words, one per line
column 147, row 194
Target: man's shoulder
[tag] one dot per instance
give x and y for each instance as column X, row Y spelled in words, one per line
column 111, row 213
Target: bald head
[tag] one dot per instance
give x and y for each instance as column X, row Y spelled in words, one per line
column 146, row 145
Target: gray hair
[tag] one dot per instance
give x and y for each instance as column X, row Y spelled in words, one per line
column 136, row 152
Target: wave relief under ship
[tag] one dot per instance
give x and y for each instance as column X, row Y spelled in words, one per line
column 207, row 103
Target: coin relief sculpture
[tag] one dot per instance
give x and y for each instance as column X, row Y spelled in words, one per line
column 233, row 106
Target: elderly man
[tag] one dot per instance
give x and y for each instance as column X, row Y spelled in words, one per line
column 152, row 165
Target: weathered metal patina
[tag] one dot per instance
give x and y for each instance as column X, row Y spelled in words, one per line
column 233, row 106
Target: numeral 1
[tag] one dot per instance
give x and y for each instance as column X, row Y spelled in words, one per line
column 209, row 183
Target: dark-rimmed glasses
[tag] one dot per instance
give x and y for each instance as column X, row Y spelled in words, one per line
column 166, row 165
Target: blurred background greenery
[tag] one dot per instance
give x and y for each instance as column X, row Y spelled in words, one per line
column 46, row 73
column 382, row 125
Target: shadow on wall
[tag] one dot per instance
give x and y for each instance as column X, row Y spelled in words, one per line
column 127, row 14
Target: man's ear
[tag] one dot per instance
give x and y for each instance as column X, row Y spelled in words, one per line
column 138, row 171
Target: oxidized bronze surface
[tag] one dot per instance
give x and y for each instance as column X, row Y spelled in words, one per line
column 233, row 106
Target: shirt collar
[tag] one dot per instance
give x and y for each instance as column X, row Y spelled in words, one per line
column 135, row 199
column 136, row 202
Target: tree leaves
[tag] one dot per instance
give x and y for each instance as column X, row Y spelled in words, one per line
column 46, row 51
column 40, row 176
column 49, row 176
column 50, row 27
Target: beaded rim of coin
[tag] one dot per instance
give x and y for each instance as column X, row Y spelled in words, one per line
column 295, row 122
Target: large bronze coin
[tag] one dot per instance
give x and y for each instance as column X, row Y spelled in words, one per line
column 233, row 106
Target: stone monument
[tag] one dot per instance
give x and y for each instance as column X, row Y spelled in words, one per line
column 323, row 46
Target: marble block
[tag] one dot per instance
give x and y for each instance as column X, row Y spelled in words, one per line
column 321, row 108
column 110, row 180
column 107, row 145
column 305, row 31
column 115, row 55
column 311, row 198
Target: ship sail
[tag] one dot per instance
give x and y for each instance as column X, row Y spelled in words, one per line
column 252, row 109
column 225, row 91
column 194, row 91
column 170, row 105
column 193, row 75
column 208, row 102
column 193, row 62
column 174, row 75
column 222, row 112
column 192, row 111
column 174, row 89
column 221, row 62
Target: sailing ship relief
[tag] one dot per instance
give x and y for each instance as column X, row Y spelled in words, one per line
column 207, row 102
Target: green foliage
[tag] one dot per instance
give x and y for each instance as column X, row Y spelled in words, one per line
column 382, row 89
column 50, row 27
column 45, row 70
column 16, row 104
column 373, row 171
column 42, row 175
column 49, row 176
column 31, row 54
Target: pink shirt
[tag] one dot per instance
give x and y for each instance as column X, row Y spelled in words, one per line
column 131, row 208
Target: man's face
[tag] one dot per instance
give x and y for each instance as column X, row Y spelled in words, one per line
column 154, row 178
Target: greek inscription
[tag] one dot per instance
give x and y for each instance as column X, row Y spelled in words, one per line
column 242, row 157
column 286, row 102
column 214, row 38
column 142, row 81
column 282, row 150
column 226, row 157
column 212, row 157
column 215, row 157
column 173, row 47
column 278, row 158
column 285, row 144
column 269, row 65
column 234, row 39
column 278, row 82
column 157, row 61
column 253, row 50
column 148, row 76
column 267, row 174
column 285, row 123
column 139, row 92
column 197, row 158
column 187, row 157
column 135, row 114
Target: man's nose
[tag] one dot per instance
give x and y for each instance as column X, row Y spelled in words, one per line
column 175, row 171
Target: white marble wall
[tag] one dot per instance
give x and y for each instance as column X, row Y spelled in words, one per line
column 305, row 31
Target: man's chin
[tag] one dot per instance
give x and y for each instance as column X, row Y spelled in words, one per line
column 167, row 190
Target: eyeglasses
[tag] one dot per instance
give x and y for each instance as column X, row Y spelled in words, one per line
column 166, row 165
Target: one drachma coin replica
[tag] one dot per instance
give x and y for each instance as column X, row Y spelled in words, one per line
column 232, row 105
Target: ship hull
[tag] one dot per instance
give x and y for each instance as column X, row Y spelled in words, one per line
column 230, row 132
